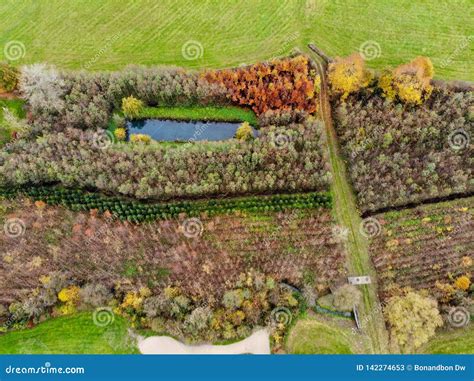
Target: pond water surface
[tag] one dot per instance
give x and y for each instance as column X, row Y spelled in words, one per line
column 171, row 130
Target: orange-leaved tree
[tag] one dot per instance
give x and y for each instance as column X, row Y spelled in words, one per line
column 287, row 84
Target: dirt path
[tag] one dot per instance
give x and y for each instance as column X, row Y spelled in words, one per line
column 257, row 343
column 347, row 216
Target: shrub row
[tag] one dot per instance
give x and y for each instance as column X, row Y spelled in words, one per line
column 135, row 211
column 399, row 154
column 281, row 159
column 86, row 100
column 247, row 303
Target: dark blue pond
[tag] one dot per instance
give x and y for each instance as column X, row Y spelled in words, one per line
column 171, row 130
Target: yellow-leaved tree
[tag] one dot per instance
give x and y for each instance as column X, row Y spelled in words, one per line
column 409, row 83
column 244, row 132
column 348, row 75
column 131, row 106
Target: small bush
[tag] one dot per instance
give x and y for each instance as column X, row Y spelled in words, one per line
column 132, row 300
column 244, row 132
column 140, row 138
column 463, row 283
column 118, row 121
column 70, row 297
column 409, row 83
column 199, row 319
column 95, row 295
column 346, row 296
column 120, row 134
column 9, row 77
column 348, row 75
column 69, row 294
column 131, row 106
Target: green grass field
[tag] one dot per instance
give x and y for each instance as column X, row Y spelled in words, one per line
column 309, row 336
column 75, row 334
column 107, row 34
column 459, row 341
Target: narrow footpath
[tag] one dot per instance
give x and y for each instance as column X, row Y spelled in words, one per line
column 347, row 216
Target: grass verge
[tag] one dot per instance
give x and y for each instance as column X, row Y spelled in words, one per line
column 458, row 341
column 203, row 114
column 308, row 336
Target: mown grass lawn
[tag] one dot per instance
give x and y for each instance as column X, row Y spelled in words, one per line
column 309, row 336
column 76, row 334
column 458, row 341
column 106, row 34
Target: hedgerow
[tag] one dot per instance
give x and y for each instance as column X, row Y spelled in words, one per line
column 88, row 99
column 136, row 211
column 291, row 158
